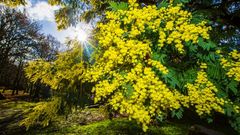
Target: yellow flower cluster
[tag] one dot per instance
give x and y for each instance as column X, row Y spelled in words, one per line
column 202, row 95
column 232, row 65
column 145, row 86
column 158, row 65
column 124, row 68
column 173, row 25
column 178, row 28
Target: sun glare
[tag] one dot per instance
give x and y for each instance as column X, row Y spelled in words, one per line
column 82, row 36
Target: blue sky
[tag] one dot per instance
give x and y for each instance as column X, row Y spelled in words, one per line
column 43, row 13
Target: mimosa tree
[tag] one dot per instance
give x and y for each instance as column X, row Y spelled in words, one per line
column 154, row 60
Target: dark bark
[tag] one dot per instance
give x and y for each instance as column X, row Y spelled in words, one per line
column 17, row 78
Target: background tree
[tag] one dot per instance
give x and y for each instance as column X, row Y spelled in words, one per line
column 15, row 39
column 46, row 48
column 20, row 41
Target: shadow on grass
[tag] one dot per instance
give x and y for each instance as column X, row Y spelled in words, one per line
column 9, row 125
column 10, row 114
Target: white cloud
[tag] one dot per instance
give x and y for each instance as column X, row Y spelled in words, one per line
column 41, row 11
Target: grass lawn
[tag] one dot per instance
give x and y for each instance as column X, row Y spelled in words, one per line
column 118, row 126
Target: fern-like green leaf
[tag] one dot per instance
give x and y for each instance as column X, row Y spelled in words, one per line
column 118, row 6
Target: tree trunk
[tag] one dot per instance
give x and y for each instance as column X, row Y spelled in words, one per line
column 17, row 78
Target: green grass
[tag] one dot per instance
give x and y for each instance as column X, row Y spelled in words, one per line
column 118, row 126
column 123, row 126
